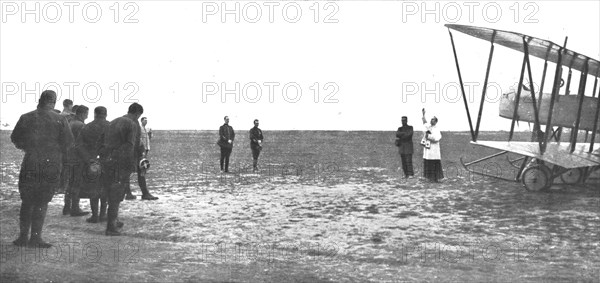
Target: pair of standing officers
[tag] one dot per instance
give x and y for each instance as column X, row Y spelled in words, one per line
column 225, row 142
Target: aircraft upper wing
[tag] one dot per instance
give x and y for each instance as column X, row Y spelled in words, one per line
column 555, row 153
column 537, row 47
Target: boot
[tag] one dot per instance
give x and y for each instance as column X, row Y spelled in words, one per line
column 111, row 224
column 94, row 204
column 75, row 209
column 255, row 165
column 145, row 193
column 24, row 224
column 37, row 223
column 103, row 204
column 149, row 197
column 92, row 219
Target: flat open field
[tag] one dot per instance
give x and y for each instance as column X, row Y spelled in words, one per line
column 325, row 207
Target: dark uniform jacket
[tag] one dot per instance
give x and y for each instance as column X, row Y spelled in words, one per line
column 85, row 150
column 44, row 135
column 138, row 147
column 86, row 144
column 119, row 142
column 255, row 136
column 404, row 135
column 76, row 126
column 226, row 133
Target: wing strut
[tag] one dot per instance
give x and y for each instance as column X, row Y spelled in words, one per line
column 485, row 82
column 462, row 88
column 536, row 126
column 580, row 93
column 539, row 104
column 595, row 129
column 544, row 77
column 517, row 98
column 595, row 85
column 568, row 89
column 555, row 87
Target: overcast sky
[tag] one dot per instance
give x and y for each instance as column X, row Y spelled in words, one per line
column 317, row 66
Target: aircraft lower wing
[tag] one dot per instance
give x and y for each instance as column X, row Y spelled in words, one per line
column 557, row 154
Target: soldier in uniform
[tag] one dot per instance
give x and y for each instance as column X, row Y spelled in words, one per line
column 69, row 113
column 405, row 147
column 226, row 137
column 45, row 136
column 86, row 148
column 117, row 156
column 256, row 138
column 141, row 153
column 75, row 167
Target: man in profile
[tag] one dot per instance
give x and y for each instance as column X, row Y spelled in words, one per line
column 44, row 135
column 118, row 159
column 87, row 152
column 405, row 147
column 256, row 138
column 142, row 153
column 75, row 167
column 226, row 137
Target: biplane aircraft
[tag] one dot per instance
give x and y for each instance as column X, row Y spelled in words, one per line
column 546, row 157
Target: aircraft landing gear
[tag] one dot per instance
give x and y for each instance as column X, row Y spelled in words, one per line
column 572, row 176
column 537, row 178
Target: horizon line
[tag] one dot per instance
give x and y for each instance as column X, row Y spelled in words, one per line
column 203, row 130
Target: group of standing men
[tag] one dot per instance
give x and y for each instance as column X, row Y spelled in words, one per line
column 432, row 166
column 99, row 158
column 93, row 160
column 84, row 153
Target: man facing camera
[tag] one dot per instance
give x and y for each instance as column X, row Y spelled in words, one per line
column 256, row 138
column 405, row 147
column 226, row 137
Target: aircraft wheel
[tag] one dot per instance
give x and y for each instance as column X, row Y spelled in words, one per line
column 536, row 178
column 572, row 176
column 594, row 175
